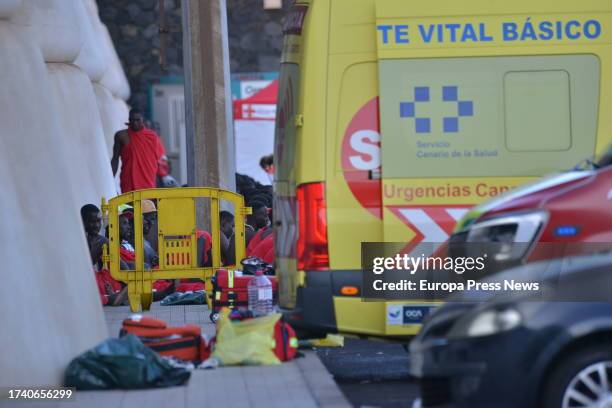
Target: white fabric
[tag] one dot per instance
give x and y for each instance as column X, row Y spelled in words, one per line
column 52, row 24
column 8, row 8
column 108, row 115
column 80, row 120
column 114, row 78
column 48, row 292
column 92, row 58
column 254, row 139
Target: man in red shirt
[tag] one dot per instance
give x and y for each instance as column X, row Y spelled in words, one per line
column 140, row 149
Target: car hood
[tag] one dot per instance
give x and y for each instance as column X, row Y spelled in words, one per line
column 528, row 196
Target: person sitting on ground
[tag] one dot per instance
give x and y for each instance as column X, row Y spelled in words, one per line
column 257, row 220
column 228, row 242
column 128, row 246
column 262, row 198
column 264, row 250
column 126, row 249
column 149, row 213
column 204, row 248
column 92, row 221
column 111, row 291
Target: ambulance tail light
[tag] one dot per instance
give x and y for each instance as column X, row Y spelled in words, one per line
column 312, row 246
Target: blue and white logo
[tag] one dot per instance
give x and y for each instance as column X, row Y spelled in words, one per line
column 415, row 314
column 394, row 315
column 422, row 96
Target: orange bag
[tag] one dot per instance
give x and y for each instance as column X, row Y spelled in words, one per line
column 185, row 343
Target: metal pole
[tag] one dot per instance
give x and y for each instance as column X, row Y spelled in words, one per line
column 187, row 69
column 230, row 154
column 210, row 140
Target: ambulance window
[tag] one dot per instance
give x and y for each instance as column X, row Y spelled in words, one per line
column 500, row 116
column 537, row 111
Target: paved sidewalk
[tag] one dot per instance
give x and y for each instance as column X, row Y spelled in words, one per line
column 173, row 315
column 301, row 383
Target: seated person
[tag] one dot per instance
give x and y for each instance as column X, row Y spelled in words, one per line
column 92, row 222
column 149, row 213
column 126, row 236
column 126, row 249
column 265, row 249
column 228, row 242
column 257, row 220
column 204, row 248
column 263, row 231
column 111, row 291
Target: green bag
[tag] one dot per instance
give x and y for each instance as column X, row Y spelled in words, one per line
column 123, row 363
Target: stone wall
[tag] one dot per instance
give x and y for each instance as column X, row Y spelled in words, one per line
column 255, row 39
column 255, row 36
column 134, row 28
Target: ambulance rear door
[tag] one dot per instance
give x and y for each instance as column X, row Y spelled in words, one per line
column 465, row 116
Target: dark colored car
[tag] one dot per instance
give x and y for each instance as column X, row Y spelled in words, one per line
column 546, row 348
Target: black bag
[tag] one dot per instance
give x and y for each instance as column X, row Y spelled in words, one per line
column 253, row 264
column 123, row 363
column 188, row 298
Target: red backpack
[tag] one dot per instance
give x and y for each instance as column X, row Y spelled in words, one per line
column 285, row 341
column 185, row 343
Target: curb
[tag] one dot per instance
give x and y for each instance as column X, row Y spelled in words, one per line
column 320, row 382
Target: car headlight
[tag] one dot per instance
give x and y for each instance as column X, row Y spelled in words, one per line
column 509, row 235
column 486, row 322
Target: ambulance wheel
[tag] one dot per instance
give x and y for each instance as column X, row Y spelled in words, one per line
column 214, row 317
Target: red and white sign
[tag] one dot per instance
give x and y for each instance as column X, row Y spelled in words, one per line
column 361, row 157
column 261, row 106
column 257, row 111
column 430, row 223
column 254, row 131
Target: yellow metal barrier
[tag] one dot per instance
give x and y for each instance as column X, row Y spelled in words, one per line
column 177, row 238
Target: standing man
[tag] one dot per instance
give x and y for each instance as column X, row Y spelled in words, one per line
column 140, row 150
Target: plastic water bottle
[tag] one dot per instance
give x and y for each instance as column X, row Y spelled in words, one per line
column 260, row 294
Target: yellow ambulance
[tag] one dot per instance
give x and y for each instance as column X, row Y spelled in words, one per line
column 396, row 116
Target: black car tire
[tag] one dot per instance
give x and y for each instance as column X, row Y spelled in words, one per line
column 563, row 372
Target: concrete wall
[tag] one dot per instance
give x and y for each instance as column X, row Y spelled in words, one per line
column 54, row 158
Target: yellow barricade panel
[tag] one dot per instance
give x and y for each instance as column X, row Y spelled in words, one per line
column 177, row 242
column 176, row 216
